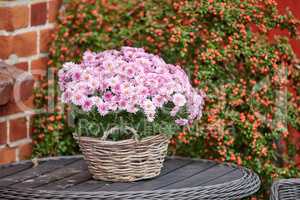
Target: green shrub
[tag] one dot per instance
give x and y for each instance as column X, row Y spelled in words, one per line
column 223, row 45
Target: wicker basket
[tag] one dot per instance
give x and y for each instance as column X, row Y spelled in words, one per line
column 125, row 160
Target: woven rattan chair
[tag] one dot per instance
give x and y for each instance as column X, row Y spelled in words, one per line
column 286, row 189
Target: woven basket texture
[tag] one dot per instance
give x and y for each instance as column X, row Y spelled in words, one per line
column 286, row 189
column 124, row 160
column 242, row 187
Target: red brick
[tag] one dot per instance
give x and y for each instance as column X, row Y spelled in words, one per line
column 6, row 87
column 22, row 66
column 13, row 108
column 7, row 155
column 25, row 151
column 38, row 13
column 21, row 81
column 6, row 47
column 29, row 103
column 39, row 67
column 54, row 6
column 40, row 63
column 25, row 44
column 13, row 17
column 31, row 128
column 24, row 81
column 12, row 92
column 18, row 129
column 3, row 133
column 23, row 90
column 45, row 38
column 8, row 109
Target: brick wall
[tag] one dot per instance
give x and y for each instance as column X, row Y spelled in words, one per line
column 25, row 28
column 294, row 7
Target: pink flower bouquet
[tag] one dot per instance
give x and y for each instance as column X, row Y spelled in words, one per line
column 131, row 87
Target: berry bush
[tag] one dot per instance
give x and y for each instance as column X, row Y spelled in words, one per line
column 251, row 80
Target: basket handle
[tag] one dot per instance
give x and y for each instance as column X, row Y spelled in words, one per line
column 113, row 129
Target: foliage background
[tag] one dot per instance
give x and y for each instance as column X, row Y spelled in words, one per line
column 223, row 45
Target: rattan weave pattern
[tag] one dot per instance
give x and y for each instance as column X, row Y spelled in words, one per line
column 248, row 184
column 125, row 160
column 286, row 189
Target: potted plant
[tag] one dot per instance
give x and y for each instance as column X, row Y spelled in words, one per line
column 126, row 104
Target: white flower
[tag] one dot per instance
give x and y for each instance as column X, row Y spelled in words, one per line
column 97, row 100
column 150, row 116
column 113, row 81
column 68, row 66
column 148, row 106
column 179, row 100
column 77, row 99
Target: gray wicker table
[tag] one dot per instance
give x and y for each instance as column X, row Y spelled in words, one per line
column 181, row 178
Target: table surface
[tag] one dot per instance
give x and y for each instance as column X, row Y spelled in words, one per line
column 64, row 174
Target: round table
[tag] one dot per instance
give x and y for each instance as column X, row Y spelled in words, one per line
column 180, row 178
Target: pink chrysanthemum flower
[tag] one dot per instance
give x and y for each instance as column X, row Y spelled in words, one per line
column 130, row 80
column 87, row 105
